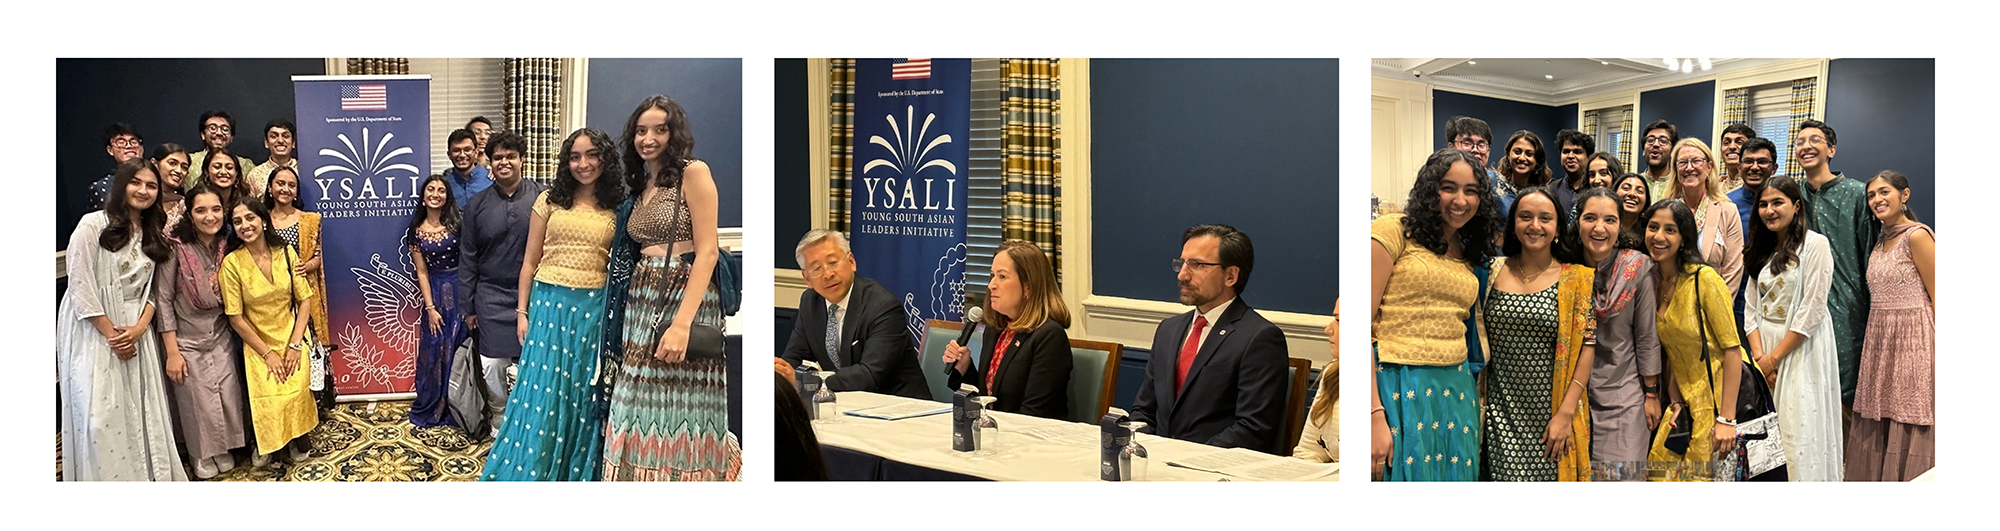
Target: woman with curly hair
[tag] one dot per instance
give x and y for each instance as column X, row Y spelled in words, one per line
column 1423, row 408
column 553, row 425
column 115, row 424
column 669, row 417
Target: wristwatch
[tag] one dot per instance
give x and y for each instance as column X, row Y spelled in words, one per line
column 1720, row 420
column 301, row 347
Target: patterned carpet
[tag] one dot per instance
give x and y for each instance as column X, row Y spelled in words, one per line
column 364, row 441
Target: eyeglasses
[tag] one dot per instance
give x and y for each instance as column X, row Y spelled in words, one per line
column 1469, row 145
column 821, row 269
column 1661, row 140
column 1690, row 163
column 1759, row 161
column 126, row 142
column 219, row 128
column 1179, row 263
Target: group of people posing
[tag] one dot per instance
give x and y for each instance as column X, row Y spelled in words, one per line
column 1217, row 375
column 1534, row 327
column 591, row 286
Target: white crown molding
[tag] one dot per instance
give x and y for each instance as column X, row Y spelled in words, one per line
column 1653, row 75
column 1131, row 322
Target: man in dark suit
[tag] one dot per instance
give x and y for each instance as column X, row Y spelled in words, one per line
column 1217, row 375
column 857, row 319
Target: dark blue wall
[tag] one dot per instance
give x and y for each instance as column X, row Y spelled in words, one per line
column 712, row 92
column 1691, row 108
column 163, row 99
column 792, row 166
column 1251, row 143
column 1505, row 117
column 1885, row 112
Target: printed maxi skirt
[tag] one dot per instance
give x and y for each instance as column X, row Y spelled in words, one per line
column 552, row 430
column 668, row 421
column 1433, row 415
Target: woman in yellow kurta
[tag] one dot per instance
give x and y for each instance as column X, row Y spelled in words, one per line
column 301, row 229
column 1691, row 290
column 265, row 293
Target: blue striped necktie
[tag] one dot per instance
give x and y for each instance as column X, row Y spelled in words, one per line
column 833, row 335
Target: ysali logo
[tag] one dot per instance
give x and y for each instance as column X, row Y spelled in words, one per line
column 907, row 160
column 363, row 167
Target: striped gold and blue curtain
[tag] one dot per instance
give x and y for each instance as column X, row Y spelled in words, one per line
column 840, row 129
column 1589, row 128
column 1803, row 99
column 378, row 66
column 1735, row 110
column 534, row 111
column 1033, row 151
column 1625, row 152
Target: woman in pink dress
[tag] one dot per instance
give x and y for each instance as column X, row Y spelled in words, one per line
column 1890, row 435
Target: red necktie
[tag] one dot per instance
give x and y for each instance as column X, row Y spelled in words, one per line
column 1188, row 351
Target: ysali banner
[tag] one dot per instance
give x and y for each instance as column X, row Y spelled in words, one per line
column 912, row 122
column 363, row 144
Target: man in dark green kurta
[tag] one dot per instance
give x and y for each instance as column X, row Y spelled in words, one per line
column 1840, row 212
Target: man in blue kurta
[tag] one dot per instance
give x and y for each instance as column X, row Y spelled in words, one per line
column 492, row 241
column 466, row 177
column 1840, row 212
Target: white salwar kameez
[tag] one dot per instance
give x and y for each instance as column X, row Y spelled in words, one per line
column 1808, row 390
column 116, row 423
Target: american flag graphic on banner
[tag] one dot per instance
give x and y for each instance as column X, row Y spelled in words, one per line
column 374, row 97
column 911, row 69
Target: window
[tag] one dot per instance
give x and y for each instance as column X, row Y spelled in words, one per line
column 1771, row 116
column 986, row 176
column 460, row 90
column 1611, row 131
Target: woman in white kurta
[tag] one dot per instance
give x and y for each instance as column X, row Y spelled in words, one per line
column 115, row 423
column 1785, row 315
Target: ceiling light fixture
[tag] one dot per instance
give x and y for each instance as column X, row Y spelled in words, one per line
column 1546, row 76
column 1472, row 62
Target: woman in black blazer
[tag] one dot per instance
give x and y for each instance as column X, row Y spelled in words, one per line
column 1023, row 306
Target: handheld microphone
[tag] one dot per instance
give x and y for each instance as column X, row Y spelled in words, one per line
column 972, row 325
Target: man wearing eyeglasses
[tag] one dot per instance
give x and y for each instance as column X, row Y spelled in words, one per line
column 1840, row 212
column 280, row 139
column 851, row 325
column 1217, row 373
column 1659, row 138
column 217, row 129
column 1472, row 135
column 123, row 143
column 1757, row 160
column 466, row 177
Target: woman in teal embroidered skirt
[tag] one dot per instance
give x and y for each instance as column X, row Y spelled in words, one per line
column 553, row 426
column 1424, row 419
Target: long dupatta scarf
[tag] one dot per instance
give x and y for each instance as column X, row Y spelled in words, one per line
column 197, row 282
column 1617, row 279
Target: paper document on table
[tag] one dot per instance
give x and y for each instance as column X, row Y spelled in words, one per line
column 1083, row 435
column 911, row 409
column 1254, row 465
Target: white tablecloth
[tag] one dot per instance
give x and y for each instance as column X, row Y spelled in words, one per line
column 926, row 442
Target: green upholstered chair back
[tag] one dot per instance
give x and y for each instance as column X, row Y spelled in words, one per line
column 931, row 359
column 1093, row 377
column 1296, row 374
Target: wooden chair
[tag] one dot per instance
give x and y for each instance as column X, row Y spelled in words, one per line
column 1298, row 372
column 1093, row 378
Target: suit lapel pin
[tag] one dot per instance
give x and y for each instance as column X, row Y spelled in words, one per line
column 1222, row 333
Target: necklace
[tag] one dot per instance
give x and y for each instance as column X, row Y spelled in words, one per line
column 1525, row 279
